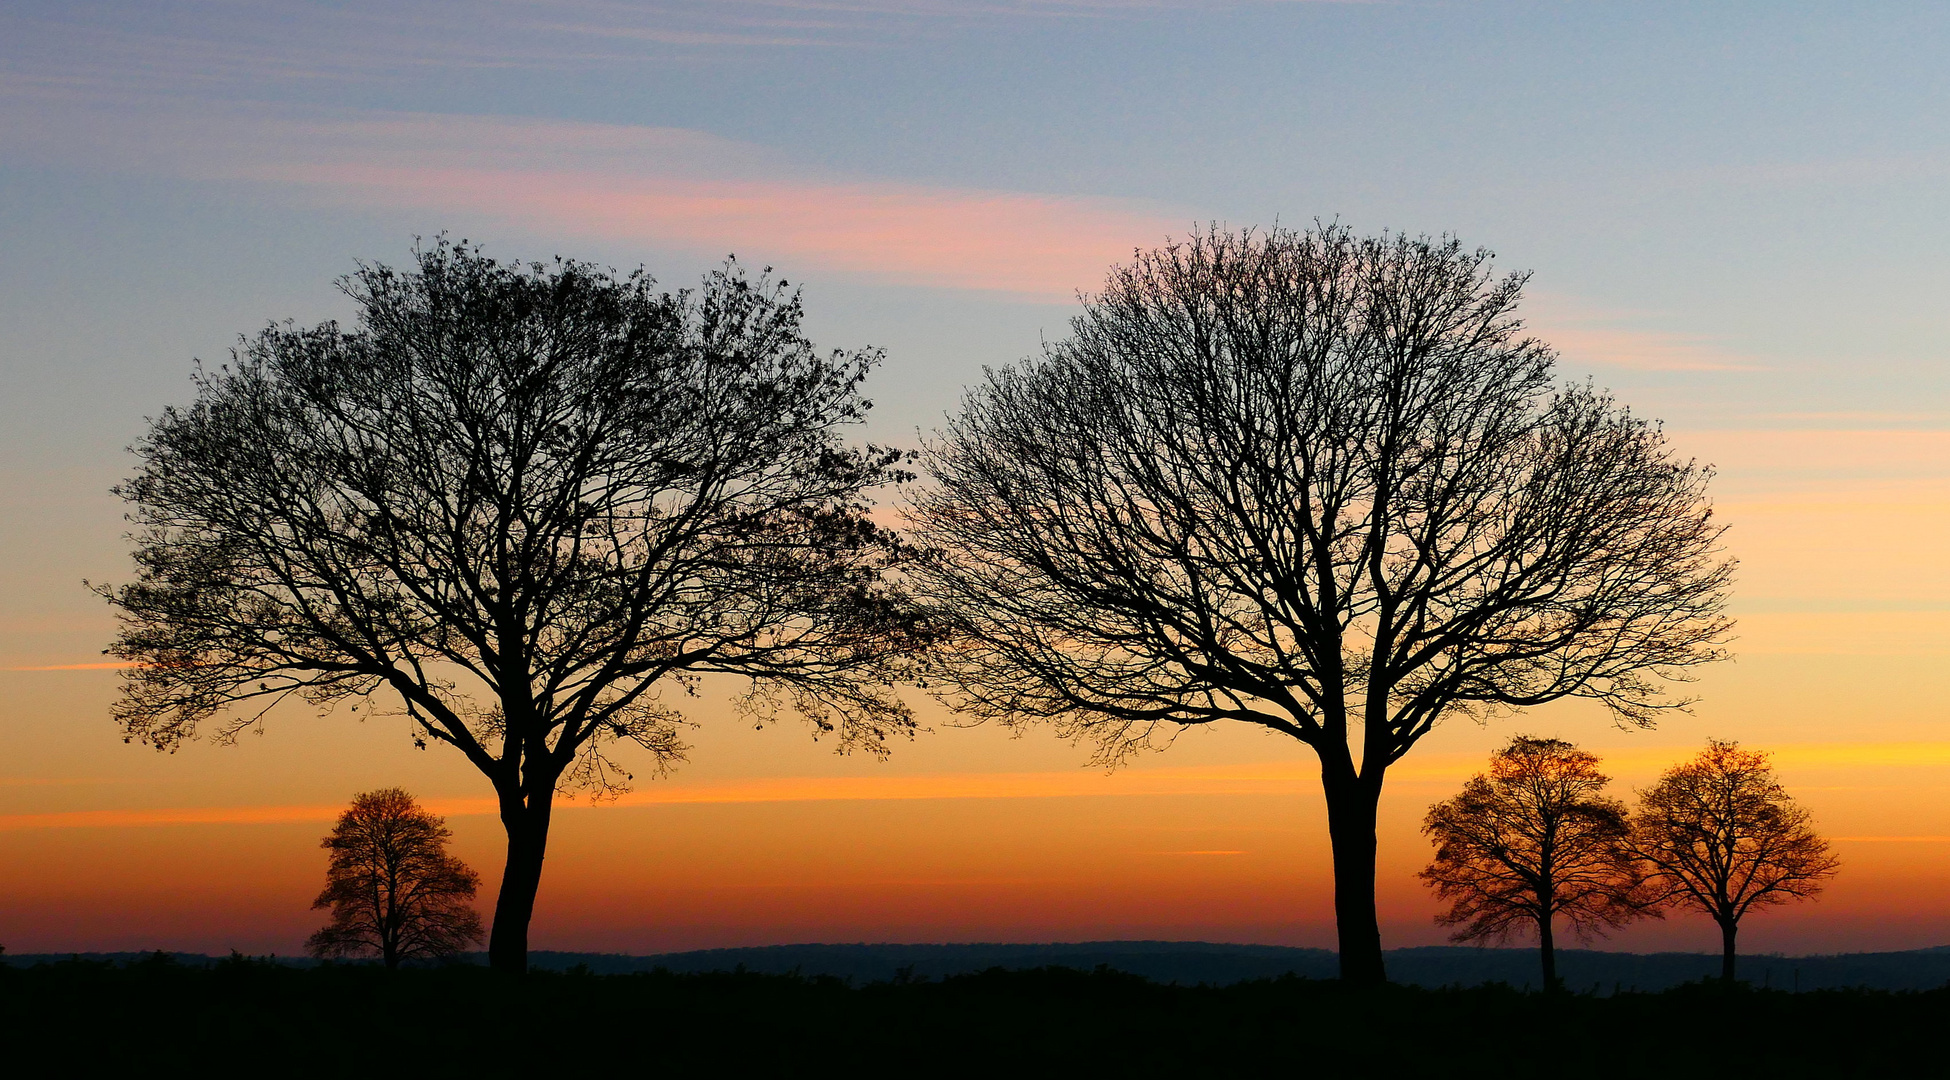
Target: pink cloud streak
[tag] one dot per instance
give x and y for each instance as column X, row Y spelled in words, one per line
column 657, row 186
column 1047, row 247
column 1588, row 335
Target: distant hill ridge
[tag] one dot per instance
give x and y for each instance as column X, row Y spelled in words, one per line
column 1191, row 962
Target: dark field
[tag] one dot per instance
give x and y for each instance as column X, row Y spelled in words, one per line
column 253, row 1017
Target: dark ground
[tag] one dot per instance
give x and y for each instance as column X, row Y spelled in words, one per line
column 254, row 1017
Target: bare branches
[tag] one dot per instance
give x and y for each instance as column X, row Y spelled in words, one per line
column 1723, row 837
column 1305, row 479
column 391, row 886
column 519, row 501
column 551, row 486
column 1534, row 841
column 1317, row 483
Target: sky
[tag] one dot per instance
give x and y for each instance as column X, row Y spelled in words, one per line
column 1735, row 215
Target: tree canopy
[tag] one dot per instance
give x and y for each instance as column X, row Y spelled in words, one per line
column 1533, row 841
column 1318, row 483
column 1723, row 837
column 529, row 506
column 392, row 888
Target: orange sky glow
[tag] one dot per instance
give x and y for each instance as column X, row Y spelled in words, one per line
column 968, row 834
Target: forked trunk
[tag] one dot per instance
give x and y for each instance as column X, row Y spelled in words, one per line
column 1727, row 930
column 527, row 826
column 1351, row 829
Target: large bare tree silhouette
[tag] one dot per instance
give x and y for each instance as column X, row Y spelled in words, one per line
column 1323, row 485
column 525, row 504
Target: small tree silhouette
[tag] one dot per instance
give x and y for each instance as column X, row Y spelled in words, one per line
column 392, row 887
column 1532, row 841
column 1722, row 836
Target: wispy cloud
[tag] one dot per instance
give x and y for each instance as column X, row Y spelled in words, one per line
column 1644, row 350
column 1841, row 172
column 1879, row 634
column 153, row 818
column 1256, row 779
column 211, row 44
column 1233, row 780
column 1892, row 839
column 824, row 23
column 1036, row 245
column 1809, row 457
column 1861, row 418
column 1593, row 337
column 1283, row 779
column 663, row 187
column 63, row 781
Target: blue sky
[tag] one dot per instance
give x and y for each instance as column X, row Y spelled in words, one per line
column 1761, row 178
column 1735, row 213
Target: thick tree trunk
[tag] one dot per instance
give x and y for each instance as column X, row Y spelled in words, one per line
column 527, row 826
column 1547, row 945
column 1727, row 931
column 1351, row 827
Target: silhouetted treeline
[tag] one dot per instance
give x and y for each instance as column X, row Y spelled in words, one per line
column 242, row 1016
column 1191, row 963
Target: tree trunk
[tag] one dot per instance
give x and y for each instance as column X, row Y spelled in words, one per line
column 1547, row 946
column 1351, row 827
column 1727, row 930
column 389, row 924
column 527, row 824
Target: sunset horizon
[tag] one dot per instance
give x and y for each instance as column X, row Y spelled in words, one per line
column 1732, row 223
